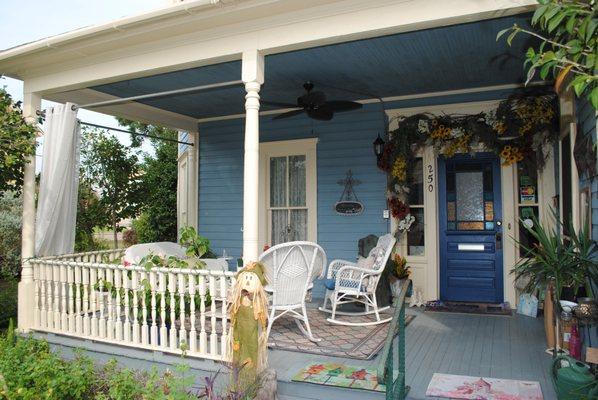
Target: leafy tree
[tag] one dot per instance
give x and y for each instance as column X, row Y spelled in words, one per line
column 90, row 214
column 567, row 49
column 10, row 235
column 115, row 173
column 158, row 221
column 17, row 143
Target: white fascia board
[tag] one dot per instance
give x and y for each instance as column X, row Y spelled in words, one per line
column 133, row 111
column 271, row 33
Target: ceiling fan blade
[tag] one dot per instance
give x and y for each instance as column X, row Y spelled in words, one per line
column 289, row 114
column 278, row 104
column 340, row 106
column 323, row 113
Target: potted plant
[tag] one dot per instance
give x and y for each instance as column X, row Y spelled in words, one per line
column 556, row 261
column 400, row 272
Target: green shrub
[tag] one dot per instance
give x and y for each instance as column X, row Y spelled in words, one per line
column 29, row 370
column 8, row 301
column 10, row 235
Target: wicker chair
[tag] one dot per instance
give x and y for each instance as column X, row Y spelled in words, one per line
column 348, row 283
column 291, row 269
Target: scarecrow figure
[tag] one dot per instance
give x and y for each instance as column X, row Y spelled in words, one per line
column 248, row 310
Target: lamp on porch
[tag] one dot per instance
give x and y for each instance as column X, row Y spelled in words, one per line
column 378, row 148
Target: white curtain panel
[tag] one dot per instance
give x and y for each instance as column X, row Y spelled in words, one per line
column 59, row 183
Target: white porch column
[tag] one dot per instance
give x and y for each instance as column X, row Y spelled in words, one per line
column 253, row 77
column 31, row 103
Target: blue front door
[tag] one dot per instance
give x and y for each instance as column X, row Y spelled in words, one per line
column 470, row 236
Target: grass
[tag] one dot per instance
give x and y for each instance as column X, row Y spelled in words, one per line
column 8, row 302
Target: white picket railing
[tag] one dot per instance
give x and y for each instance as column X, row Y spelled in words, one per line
column 90, row 296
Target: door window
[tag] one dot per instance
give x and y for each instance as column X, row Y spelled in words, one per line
column 288, row 211
column 416, row 235
column 470, row 197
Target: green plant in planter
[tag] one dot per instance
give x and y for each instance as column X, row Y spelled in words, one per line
column 197, row 246
column 156, row 261
column 564, row 261
column 401, row 270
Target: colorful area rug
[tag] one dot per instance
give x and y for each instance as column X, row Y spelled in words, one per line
column 331, row 374
column 476, row 388
column 358, row 342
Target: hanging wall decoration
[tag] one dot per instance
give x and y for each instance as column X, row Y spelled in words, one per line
column 521, row 129
column 348, row 204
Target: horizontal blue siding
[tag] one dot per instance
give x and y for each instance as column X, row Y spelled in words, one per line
column 586, row 121
column 344, row 143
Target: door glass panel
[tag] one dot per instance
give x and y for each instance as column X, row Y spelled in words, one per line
column 415, row 235
column 278, row 181
column 297, row 186
column 298, row 229
column 280, row 226
column 470, row 196
column 416, row 182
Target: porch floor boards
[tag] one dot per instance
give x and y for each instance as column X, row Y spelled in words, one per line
column 462, row 344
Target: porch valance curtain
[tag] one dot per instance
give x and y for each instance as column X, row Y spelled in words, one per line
column 57, row 203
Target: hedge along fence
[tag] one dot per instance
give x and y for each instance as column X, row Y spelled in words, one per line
column 30, row 370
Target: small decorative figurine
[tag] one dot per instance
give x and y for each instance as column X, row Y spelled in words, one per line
column 248, row 310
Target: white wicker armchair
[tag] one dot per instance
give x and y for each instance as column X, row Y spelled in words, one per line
column 291, row 269
column 348, row 283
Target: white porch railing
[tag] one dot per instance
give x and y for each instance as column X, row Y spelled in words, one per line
column 89, row 296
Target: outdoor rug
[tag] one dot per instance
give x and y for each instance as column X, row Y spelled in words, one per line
column 477, row 388
column 331, row 374
column 469, row 308
column 358, row 342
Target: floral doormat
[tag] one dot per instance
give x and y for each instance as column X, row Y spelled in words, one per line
column 358, row 342
column 331, row 374
column 477, row 388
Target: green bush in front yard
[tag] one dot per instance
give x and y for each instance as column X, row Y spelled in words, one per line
column 8, row 301
column 10, row 235
column 29, row 370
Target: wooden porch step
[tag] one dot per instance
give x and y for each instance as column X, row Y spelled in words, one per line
column 309, row 391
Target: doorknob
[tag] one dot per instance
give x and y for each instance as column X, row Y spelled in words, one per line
column 498, row 238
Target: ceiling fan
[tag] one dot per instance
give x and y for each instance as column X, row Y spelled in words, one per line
column 314, row 104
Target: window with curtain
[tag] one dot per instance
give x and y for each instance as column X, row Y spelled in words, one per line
column 288, row 212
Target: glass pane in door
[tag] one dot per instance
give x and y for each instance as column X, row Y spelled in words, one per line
column 298, row 229
column 280, row 225
column 278, row 181
column 469, row 197
column 297, row 181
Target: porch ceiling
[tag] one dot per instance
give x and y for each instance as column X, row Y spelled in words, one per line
column 447, row 58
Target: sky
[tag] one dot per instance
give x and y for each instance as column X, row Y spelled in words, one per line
column 29, row 20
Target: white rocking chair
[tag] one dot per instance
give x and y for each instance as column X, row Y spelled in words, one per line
column 348, row 283
column 290, row 270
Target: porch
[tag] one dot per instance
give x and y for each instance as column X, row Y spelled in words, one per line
column 399, row 63
column 461, row 344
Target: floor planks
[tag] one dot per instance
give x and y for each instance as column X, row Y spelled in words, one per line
column 463, row 344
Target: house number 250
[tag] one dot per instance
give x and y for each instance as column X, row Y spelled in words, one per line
column 430, row 178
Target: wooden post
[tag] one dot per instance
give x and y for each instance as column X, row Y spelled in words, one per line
column 31, row 104
column 253, row 77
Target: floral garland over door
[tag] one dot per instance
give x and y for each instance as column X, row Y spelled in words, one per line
column 521, row 129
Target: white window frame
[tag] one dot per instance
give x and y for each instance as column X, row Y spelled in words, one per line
column 287, row 148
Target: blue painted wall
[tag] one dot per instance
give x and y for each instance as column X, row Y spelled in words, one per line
column 586, row 120
column 345, row 142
